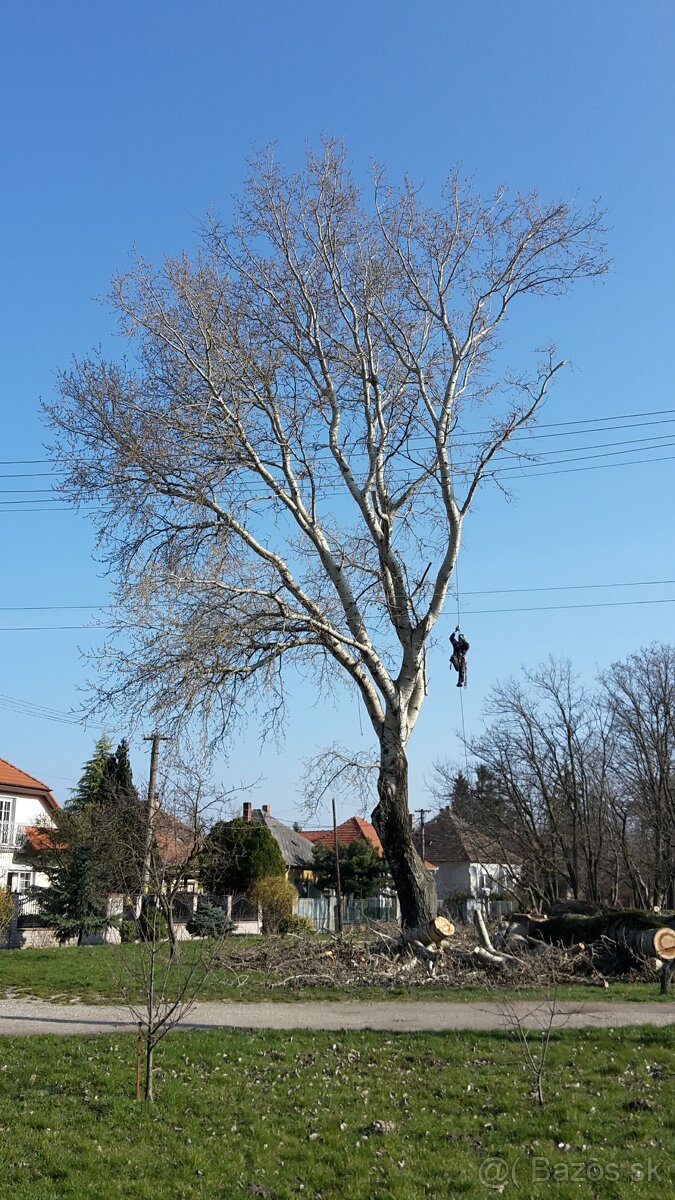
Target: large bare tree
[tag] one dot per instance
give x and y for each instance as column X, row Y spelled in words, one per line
column 282, row 469
column 548, row 749
column 640, row 695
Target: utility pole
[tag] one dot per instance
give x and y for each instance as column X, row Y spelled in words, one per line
column 155, row 738
column 338, row 889
column 422, row 812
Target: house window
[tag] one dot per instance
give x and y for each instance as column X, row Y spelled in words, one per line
column 5, row 821
column 20, row 881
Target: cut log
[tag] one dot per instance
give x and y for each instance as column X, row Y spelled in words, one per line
column 643, row 933
column 435, row 933
column 664, row 943
column 518, row 927
column 482, row 930
column 431, row 934
column 483, row 956
column 489, row 949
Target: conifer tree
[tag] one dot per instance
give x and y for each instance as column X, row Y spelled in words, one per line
column 87, row 790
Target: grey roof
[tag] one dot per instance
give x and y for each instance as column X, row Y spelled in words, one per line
column 296, row 850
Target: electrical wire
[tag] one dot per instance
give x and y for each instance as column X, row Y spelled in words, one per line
column 566, row 429
column 572, row 587
column 474, row 612
column 529, row 470
column 445, row 616
column 477, row 433
column 561, row 587
column 563, row 428
column 29, row 709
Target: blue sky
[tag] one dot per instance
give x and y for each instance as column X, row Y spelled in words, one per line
column 122, row 123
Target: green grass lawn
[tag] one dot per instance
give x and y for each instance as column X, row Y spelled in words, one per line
column 280, row 1116
column 97, row 973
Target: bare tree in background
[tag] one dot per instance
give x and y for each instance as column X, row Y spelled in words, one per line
column 548, row 749
column 640, row 694
column 282, row 470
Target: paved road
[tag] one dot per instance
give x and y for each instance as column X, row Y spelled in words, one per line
column 28, row 1016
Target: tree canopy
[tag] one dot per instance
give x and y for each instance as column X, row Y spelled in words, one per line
column 89, row 785
column 362, row 871
column 282, row 466
column 236, row 854
column 95, row 847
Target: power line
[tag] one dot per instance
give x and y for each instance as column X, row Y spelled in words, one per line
column 654, row 412
column 571, row 587
column 560, row 607
column 52, row 607
column 523, row 435
column 27, row 708
column 459, row 445
column 528, row 469
column 564, row 587
column 37, row 496
column 48, row 628
column 446, row 615
column 536, row 474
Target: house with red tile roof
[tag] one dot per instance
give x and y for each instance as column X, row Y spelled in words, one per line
column 26, row 807
column 355, row 829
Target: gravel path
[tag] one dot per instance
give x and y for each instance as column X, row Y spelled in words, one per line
column 29, row 1016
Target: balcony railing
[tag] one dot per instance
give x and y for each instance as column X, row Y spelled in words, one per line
column 12, row 835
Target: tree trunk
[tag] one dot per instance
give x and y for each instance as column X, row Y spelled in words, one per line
column 166, row 904
column 644, row 933
column 149, row 1090
column 414, row 884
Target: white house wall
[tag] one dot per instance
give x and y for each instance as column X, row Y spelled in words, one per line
column 470, row 879
column 26, row 810
column 452, row 879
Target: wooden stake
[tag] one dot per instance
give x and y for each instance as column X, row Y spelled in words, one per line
column 338, row 888
column 139, row 1055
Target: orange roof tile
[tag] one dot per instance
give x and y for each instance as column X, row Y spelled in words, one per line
column 355, row 829
column 12, row 778
column 176, row 843
column 39, row 838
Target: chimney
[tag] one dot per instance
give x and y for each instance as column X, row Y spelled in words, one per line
column 267, row 811
column 247, row 811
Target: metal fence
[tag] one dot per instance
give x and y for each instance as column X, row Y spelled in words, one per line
column 461, row 909
column 322, row 911
column 11, row 834
column 28, row 908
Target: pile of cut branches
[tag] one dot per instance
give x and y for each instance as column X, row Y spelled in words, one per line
column 599, row 942
column 518, row 954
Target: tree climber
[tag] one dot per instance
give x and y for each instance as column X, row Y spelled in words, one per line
column 458, row 660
